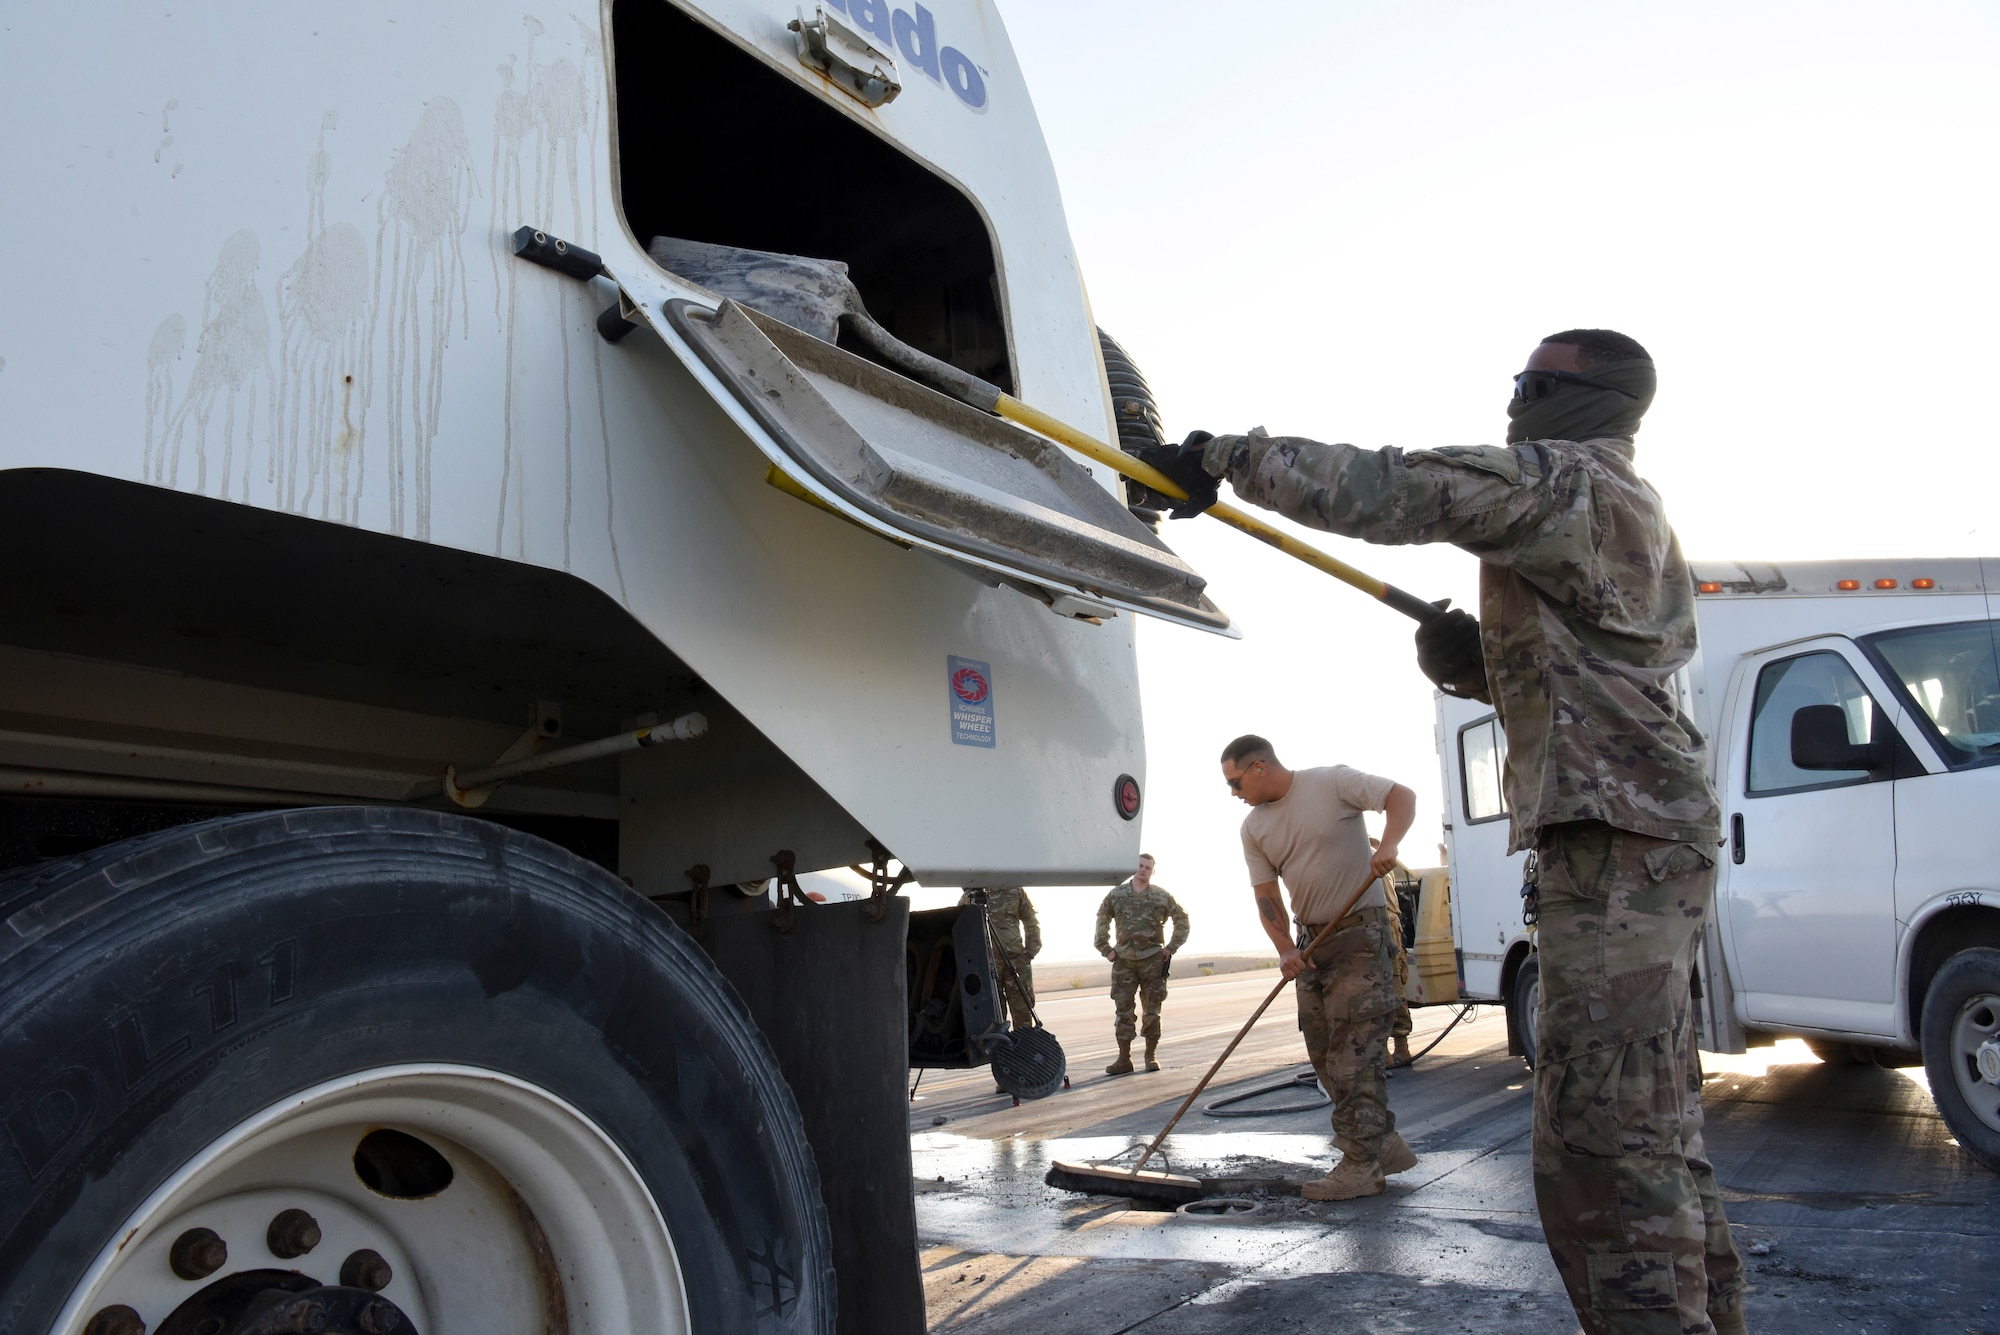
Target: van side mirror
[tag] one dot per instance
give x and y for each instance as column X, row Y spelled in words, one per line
column 1819, row 741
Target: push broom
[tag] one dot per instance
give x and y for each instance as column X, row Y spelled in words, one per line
column 1103, row 1178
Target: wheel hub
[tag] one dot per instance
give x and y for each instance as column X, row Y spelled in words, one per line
column 373, row 1203
column 285, row 1302
column 1988, row 1059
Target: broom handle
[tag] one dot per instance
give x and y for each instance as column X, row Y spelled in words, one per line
column 1257, row 1015
column 1056, row 429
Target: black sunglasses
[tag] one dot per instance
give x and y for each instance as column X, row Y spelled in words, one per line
column 1532, row 385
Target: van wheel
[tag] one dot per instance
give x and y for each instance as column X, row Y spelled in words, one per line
column 1526, row 1001
column 302, row 1058
column 1961, row 1035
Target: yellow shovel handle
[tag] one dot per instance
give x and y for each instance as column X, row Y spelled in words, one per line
column 1090, row 447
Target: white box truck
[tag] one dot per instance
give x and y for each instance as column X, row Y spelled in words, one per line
column 1853, row 716
column 422, row 609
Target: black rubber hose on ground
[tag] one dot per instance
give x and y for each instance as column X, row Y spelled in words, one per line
column 1304, row 1079
column 1134, row 409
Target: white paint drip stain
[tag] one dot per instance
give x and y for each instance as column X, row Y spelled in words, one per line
column 323, row 348
column 166, row 128
column 543, row 130
column 420, row 229
column 169, row 341
column 231, row 356
column 349, row 315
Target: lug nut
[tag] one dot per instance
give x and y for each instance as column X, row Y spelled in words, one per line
column 366, row 1269
column 380, row 1318
column 292, row 1233
column 119, row 1320
column 308, row 1318
column 198, row 1253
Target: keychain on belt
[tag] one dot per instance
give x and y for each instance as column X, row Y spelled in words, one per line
column 1531, row 874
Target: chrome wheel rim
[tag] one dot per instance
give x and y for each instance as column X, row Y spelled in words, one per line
column 541, row 1223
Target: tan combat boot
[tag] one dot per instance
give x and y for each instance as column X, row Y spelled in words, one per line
column 1123, row 1066
column 1400, row 1056
column 1152, row 1054
column 1397, row 1156
column 1351, row 1179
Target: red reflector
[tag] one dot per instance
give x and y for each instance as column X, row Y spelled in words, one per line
column 1125, row 796
column 1885, row 583
column 1708, row 586
column 1923, row 584
column 1847, row 584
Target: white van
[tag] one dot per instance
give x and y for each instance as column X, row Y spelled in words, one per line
column 1853, row 713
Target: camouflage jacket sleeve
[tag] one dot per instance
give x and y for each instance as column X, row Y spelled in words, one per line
column 1485, row 498
column 1031, row 925
column 1103, row 939
column 1180, row 926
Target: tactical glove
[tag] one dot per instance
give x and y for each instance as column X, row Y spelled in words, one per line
column 1182, row 463
column 1448, row 653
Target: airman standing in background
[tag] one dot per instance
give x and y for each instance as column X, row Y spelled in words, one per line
column 1400, row 1027
column 1141, row 959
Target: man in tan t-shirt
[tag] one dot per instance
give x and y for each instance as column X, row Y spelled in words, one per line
column 1305, row 826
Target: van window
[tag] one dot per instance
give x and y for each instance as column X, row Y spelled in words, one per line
column 1482, row 765
column 1952, row 675
column 1784, row 688
column 715, row 145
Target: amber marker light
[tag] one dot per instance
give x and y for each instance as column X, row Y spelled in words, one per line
column 1885, row 583
column 1923, row 584
column 1847, row 585
column 1708, row 586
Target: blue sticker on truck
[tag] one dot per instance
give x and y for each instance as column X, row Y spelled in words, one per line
column 969, row 692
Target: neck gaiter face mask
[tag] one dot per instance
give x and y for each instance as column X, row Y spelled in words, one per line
column 1583, row 412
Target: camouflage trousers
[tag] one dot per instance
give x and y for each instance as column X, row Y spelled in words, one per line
column 1627, row 1196
column 1346, row 1005
column 1147, row 979
column 1399, row 1022
column 1399, row 1026
column 1016, row 977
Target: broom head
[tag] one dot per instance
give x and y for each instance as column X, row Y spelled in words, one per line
column 1104, row 1180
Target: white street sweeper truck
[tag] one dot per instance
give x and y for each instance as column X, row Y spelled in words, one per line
column 430, row 623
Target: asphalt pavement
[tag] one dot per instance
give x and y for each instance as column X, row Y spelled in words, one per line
column 1854, row 1208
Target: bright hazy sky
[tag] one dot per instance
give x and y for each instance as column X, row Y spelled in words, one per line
column 1352, row 221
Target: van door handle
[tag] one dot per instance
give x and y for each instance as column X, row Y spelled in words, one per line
column 1736, row 839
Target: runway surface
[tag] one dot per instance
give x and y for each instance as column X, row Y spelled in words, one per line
column 1854, row 1208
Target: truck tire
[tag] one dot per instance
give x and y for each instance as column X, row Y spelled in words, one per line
column 504, row 1091
column 1527, row 999
column 1961, row 1037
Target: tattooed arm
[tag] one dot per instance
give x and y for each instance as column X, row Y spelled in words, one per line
column 1271, row 914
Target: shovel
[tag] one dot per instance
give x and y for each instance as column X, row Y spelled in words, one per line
column 817, row 297
column 1100, row 1178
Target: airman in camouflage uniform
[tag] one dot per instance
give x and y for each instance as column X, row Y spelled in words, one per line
column 1586, row 612
column 1401, row 1026
column 1016, row 934
column 1141, row 958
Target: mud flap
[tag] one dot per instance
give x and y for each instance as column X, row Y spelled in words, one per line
column 830, row 998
